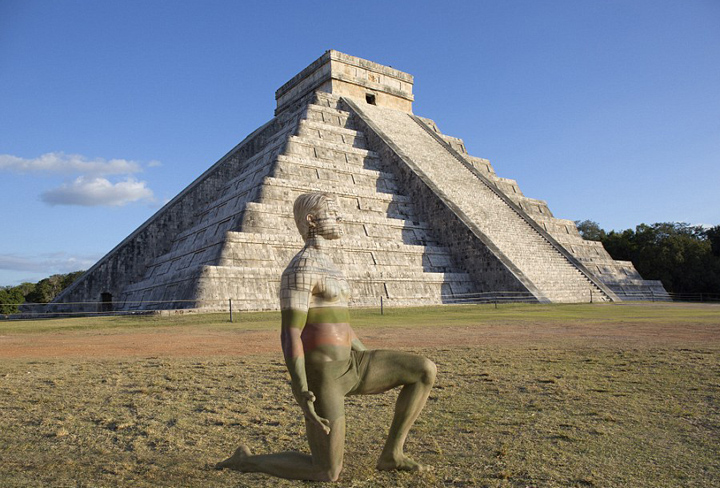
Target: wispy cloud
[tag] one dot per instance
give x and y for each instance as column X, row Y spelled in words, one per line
column 61, row 163
column 48, row 264
column 93, row 186
column 95, row 192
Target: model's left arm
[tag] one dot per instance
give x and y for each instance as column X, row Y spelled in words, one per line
column 356, row 344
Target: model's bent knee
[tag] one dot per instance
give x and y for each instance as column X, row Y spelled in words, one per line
column 429, row 372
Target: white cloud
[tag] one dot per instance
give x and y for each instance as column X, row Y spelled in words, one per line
column 61, row 163
column 48, row 264
column 96, row 191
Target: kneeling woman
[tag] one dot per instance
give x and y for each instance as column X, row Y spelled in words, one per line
column 327, row 361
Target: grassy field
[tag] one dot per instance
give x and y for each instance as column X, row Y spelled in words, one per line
column 556, row 413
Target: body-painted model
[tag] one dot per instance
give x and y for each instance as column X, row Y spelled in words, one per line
column 327, row 361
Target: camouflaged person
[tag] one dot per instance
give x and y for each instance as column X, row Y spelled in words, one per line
column 327, row 361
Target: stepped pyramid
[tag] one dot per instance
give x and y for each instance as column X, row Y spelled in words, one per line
column 425, row 222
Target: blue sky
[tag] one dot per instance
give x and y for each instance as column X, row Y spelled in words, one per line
column 609, row 110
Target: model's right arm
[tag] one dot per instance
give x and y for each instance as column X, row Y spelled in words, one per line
column 296, row 288
column 293, row 321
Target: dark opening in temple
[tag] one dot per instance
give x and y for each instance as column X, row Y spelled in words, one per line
column 106, row 304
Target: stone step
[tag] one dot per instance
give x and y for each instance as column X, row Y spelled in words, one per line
column 296, row 243
column 350, row 199
column 221, row 214
column 297, row 168
column 245, row 187
column 329, row 116
column 259, row 217
column 284, row 210
column 324, row 99
column 327, row 151
column 261, row 284
column 336, row 187
column 320, row 131
column 348, row 165
column 277, row 246
column 481, row 164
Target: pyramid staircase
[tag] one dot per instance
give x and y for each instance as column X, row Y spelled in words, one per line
column 529, row 253
column 242, row 241
column 520, row 228
column 619, row 276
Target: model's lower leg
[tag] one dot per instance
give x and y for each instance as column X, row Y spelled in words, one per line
column 411, row 401
column 289, row 465
column 324, row 465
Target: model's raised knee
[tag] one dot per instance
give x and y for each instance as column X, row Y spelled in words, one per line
column 429, row 372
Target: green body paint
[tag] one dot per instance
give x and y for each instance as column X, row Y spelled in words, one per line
column 328, row 315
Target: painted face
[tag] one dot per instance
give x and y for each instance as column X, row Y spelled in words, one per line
column 328, row 221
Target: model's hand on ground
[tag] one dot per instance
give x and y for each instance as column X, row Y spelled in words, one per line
column 306, row 399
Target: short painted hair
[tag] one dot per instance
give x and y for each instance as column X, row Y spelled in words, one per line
column 308, row 204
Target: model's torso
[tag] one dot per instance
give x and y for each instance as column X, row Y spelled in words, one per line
column 327, row 334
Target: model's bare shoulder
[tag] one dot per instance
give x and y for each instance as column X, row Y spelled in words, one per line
column 298, row 281
column 304, row 259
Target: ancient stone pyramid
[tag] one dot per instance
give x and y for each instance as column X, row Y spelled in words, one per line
column 426, row 223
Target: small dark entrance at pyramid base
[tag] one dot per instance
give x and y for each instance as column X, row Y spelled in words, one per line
column 106, row 302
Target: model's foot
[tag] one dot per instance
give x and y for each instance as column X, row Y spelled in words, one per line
column 401, row 463
column 235, row 461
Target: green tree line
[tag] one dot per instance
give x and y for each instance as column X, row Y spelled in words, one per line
column 685, row 258
column 44, row 291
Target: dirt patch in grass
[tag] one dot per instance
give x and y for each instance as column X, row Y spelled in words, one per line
column 628, row 326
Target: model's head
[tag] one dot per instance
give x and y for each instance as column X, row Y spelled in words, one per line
column 317, row 215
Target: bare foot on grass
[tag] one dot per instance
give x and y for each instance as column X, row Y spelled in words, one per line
column 235, row 461
column 402, row 463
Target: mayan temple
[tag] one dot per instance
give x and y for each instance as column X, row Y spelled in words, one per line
column 425, row 222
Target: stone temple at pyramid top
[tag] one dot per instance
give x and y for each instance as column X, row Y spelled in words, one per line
column 344, row 75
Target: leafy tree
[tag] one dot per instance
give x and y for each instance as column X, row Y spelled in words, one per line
column 47, row 289
column 590, row 230
column 26, row 288
column 678, row 254
column 4, row 301
column 44, row 291
column 713, row 235
column 70, row 278
column 10, row 299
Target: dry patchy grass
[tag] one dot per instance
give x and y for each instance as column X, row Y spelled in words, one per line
column 536, row 396
column 512, row 416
